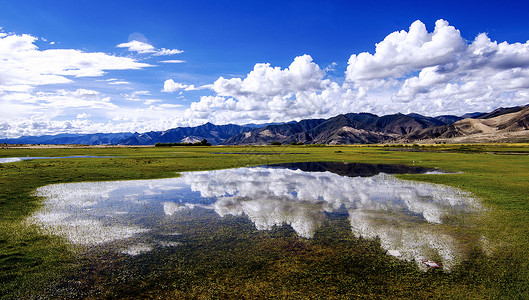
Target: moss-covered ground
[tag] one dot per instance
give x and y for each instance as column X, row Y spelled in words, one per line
column 334, row 264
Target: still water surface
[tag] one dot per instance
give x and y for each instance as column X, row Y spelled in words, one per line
column 137, row 217
column 4, row 160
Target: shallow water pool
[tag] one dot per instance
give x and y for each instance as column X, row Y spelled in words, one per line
column 412, row 220
column 4, row 160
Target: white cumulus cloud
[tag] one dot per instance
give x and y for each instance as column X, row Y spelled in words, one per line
column 273, row 94
column 170, row 86
column 302, row 75
column 431, row 73
column 440, row 73
column 403, row 52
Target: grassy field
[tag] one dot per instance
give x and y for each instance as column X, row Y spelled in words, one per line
column 334, row 264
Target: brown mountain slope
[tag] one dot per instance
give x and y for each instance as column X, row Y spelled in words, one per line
column 353, row 128
column 509, row 127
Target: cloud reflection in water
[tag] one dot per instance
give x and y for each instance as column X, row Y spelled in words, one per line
column 405, row 215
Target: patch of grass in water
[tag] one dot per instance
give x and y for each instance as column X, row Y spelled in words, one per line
column 228, row 258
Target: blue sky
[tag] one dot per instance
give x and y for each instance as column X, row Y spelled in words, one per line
column 113, row 66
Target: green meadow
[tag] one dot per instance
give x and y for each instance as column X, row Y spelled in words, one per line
column 246, row 263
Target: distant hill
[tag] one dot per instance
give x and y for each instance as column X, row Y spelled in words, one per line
column 282, row 132
column 501, row 111
column 501, row 125
column 353, row 128
column 66, row 138
column 215, row 134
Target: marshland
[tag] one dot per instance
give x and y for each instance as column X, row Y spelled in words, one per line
column 265, row 222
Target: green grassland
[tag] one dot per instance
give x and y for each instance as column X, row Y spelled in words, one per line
column 334, row 264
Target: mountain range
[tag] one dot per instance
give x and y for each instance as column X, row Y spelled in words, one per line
column 68, row 138
column 215, row 134
column 353, row 128
column 501, row 125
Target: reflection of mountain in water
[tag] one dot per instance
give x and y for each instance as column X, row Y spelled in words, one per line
column 406, row 216
column 352, row 169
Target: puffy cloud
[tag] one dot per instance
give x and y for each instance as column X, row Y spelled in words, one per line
column 440, row 73
column 403, row 52
column 142, row 48
column 24, row 66
column 170, row 86
column 301, row 75
column 431, row 73
column 273, row 94
column 488, row 75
